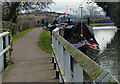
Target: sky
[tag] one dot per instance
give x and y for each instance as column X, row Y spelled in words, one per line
column 65, row 5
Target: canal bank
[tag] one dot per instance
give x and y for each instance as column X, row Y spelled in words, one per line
column 108, row 39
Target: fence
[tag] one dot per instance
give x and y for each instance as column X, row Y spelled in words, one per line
column 4, row 50
column 74, row 66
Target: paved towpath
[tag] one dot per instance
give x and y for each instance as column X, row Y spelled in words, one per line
column 31, row 64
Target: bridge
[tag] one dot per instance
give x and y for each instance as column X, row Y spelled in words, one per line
column 31, row 64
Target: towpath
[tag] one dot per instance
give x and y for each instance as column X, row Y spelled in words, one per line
column 31, row 64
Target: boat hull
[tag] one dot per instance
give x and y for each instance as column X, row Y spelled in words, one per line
column 93, row 53
column 90, row 50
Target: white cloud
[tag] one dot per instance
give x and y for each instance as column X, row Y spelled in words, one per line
column 69, row 0
column 63, row 6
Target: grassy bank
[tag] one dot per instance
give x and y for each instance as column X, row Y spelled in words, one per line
column 14, row 37
column 102, row 24
column 45, row 41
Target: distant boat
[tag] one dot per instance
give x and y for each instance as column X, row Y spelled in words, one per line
column 53, row 26
column 83, row 39
column 56, row 23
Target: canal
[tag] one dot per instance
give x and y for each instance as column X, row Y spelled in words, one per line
column 108, row 38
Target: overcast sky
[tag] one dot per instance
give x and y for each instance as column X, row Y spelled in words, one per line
column 63, row 5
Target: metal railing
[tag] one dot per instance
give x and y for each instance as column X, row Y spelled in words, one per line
column 4, row 50
column 74, row 66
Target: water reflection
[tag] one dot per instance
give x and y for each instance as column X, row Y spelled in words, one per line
column 109, row 45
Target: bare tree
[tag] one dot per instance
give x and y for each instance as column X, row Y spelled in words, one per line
column 11, row 10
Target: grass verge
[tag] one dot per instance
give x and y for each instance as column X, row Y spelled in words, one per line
column 102, row 24
column 14, row 37
column 45, row 41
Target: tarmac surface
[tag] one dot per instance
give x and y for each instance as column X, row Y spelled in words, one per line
column 31, row 64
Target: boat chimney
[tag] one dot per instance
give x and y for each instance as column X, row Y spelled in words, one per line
column 88, row 21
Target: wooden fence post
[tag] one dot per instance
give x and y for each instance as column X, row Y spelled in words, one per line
column 77, row 72
column 52, row 53
column 1, row 56
column 57, row 72
column 54, row 61
column 61, row 58
column 53, row 57
column 4, row 51
column 67, row 69
column 7, row 52
column 80, row 62
column 56, row 49
column 6, row 41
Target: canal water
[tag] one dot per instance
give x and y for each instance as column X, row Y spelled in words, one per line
column 108, row 38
